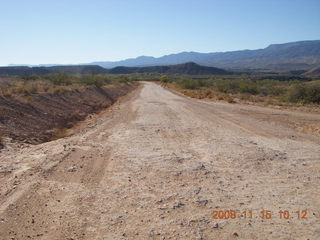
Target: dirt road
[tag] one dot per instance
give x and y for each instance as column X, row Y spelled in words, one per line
column 157, row 165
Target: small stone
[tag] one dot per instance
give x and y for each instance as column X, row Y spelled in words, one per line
column 72, row 169
column 203, row 202
column 200, row 167
column 177, row 205
column 197, row 190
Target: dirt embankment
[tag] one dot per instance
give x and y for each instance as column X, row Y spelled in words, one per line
column 44, row 116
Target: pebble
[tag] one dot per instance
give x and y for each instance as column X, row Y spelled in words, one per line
column 72, row 169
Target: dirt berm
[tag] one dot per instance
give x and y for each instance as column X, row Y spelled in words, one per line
column 41, row 117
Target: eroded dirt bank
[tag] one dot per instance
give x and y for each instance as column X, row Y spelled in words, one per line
column 38, row 118
column 156, row 166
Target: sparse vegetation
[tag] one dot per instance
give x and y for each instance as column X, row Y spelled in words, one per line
column 1, row 139
column 302, row 93
column 55, row 83
column 248, row 88
column 271, row 89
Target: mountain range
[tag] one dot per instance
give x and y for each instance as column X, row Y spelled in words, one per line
column 186, row 68
column 294, row 57
column 302, row 55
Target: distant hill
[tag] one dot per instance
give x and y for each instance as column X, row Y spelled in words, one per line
column 186, row 68
column 302, row 55
column 76, row 69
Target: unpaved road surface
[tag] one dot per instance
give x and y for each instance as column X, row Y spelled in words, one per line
column 155, row 167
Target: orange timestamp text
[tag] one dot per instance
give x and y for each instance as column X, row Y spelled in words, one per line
column 262, row 214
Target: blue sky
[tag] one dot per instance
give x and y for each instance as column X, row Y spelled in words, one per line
column 79, row 31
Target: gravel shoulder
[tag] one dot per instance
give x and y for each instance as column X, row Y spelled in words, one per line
column 155, row 166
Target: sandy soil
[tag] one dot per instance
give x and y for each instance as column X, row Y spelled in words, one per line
column 155, row 167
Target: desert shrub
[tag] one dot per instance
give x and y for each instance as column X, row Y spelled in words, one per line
column 98, row 82
column 59, row 78
column 187, row 83
column 105, row 79
column 33, row 89
column 208, row 93
column 85, row 79
column 46, row 88
column 164, row 78
column 7, row 93
column 1, row 139
column 272, row 87
column 26, row 89
column 204, row 82
column 123, row 79
column 248, row 87
column 304, row 94
column 25, row 99
column 227, row 86
column 252, row 87
column 30, row 77
column 244, row 96
column 271, row 90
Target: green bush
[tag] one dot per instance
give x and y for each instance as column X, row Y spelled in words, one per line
column 93, row 79
column 30, row 77
column 164, row 78
column 123, row 79
column 304, row 94
column 188, row 83
column 59, row 78
column 248, row 87
column 1, row 140
column 98, row 83
column 227, row 86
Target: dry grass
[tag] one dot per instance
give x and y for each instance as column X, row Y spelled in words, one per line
column 17, row 87
column 60, row 133
column 1, row 139
column 25, row 99
column 244, row 98
column 264, row 91
column 13, row 87
column 207, row 94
